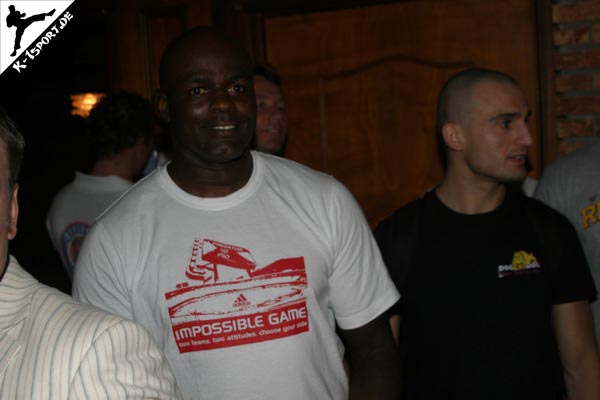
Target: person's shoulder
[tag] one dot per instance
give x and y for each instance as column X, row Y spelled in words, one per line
column 133, row 199
column 404, row 214
column 66, row 320
column 534, row 204
column 63, row 193
column 298, row 178
column 541, row 211
column 57, row 308
column 577, row 160
column 293, row 168
column 99, row 346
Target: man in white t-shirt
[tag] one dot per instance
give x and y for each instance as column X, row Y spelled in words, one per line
column 120, row 134
column 241, row 263
column 53, row 347
column 571, row 185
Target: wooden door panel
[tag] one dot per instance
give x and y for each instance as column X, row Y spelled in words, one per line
column 384, row 162
column 361, row 85
column 159, row 26
column 142, row 30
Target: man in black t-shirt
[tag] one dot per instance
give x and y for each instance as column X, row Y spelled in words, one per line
column 495, row 287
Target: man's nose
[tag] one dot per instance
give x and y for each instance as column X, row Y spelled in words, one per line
column 221, row 102
column 524, row 136
column 278, row 115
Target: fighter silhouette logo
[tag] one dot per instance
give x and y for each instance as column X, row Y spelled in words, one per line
column 18, row 20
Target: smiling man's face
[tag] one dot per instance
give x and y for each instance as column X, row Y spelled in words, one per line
column 211, row 101
column 271, row 122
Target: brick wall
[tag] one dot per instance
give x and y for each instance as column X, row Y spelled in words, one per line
column 576, row 39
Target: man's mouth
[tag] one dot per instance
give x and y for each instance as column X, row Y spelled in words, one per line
column 521, row 158
column 222, row 127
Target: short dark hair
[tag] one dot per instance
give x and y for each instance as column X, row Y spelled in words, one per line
column 268, row 72
column 15, row 144
column 455, row 92
column 117, row 121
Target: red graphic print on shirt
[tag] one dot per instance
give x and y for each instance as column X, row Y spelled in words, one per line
column 230, row 301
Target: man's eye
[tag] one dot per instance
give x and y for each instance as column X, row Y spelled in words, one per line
column 506, row 124
column 237, row 89
column 197, row 91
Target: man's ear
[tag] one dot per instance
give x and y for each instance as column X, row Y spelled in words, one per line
column 14, row 213
column 141, row 143
column 142, row 148
column 161, row 107
column 453, row 136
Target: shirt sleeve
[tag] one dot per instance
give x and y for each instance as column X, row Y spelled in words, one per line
column 573, row 280
column 388, row 246
column 361, row 288
column 99, row 274
column 551, row 188
column 123, row 363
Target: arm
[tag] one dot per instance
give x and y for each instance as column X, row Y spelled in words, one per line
column 100, row 277
column 375, row 366
column 395, row 325
column 578, row 350
column 123, row 362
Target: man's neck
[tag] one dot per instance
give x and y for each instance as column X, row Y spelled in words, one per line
column 3, row 270
column 114, row 166
column 211, row 181
column 469, row 196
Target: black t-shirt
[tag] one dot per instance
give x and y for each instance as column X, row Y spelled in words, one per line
column 476, row 306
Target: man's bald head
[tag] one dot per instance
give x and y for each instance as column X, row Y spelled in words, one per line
column 206, row 37
column 454, row 101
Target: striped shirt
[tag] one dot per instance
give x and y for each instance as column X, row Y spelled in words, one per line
column 53, row 347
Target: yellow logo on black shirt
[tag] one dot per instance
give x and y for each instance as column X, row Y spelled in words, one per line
column 522, row 263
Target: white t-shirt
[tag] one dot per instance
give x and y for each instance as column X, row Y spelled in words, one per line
column 75, row 208
column 241, row 292
column 571, row 185
column 528, row 186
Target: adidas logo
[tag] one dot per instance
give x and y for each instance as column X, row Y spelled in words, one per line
column 241, row 301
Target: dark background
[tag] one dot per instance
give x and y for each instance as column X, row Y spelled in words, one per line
column 38, row 99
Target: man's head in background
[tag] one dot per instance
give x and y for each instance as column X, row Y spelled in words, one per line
column 121, row 128
column 271, row 119
column 11, row 154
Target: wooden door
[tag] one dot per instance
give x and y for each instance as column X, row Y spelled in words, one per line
column 139, row 32
column 361, row 85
